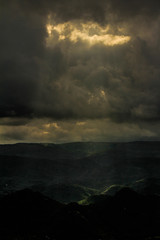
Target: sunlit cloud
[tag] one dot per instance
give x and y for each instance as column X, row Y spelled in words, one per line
column 80, row 123
column 90, row 33
column 102, row 93
column 45, row 132
column 71, row 131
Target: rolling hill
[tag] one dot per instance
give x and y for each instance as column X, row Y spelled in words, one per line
column 73, row 171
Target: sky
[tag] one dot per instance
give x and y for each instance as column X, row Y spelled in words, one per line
column 79, row 70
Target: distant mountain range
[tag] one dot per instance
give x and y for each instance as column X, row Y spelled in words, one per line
column 76, row 171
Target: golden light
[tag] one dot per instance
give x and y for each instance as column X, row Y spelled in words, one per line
column 54, row 124
column 49, row 29
column 102, row 93
column 45, row 133
column 80, row 123
column 90, row 33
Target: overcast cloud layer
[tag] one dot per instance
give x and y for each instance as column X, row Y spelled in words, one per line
column 79, row 70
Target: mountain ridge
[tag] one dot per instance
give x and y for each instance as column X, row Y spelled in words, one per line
column 97, row 166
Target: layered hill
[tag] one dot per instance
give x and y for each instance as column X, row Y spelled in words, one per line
column 74, row 171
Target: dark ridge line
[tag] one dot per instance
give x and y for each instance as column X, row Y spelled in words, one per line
column 68, row 143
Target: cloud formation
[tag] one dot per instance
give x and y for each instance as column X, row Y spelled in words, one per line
column 79, row 61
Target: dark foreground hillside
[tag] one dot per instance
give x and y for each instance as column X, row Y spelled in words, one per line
column 28, row 215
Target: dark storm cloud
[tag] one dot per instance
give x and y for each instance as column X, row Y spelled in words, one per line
column 21, row 48
column 124, row 9
column 90, row 9
column 64, row 10
column 73, row 80
column 99, row 11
